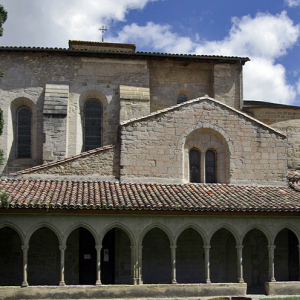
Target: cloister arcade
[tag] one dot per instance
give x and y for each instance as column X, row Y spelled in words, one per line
column 121, row 253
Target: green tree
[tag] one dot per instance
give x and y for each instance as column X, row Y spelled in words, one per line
column 3, row 17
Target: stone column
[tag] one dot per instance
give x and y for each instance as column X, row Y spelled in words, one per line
column 271, row 249
column 299, row 259
column 98, row 248
column 173, row 262
column 140, row 255
column 62, row 265
column 207, row 263
column 134, row 265
column 239, row 249
column 25, row 253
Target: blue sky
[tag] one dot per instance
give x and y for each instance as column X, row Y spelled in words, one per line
column 267, row 31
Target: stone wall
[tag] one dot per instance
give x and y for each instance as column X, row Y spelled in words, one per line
column 286, row 120
column 102, row 162
column 26, row 75
column 153, row 148
column 168, row 80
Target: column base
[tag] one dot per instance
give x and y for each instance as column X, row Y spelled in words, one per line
column 241, row 280
column 24, row 284
column 208, row 281
column 174, row 281
column 98, row 282
column 62, row 283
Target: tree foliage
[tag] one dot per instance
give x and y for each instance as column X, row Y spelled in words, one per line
column 3, row 17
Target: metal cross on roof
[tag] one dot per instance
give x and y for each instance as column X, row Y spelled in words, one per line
column 102, row 29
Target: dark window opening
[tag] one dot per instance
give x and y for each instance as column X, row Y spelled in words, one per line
column 24, row 133
column 92, row 125
column 181, row 99
column 210, row 166
column 194, row 166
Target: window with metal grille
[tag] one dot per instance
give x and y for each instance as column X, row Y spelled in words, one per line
column 194, row 166
column 24, row 133
column 181, row 98
column 92, row 125
column 210, row 166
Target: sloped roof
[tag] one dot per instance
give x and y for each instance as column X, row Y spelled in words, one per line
column 62, row 161
column 109, row 196
column 172, row 108
column 138, row 54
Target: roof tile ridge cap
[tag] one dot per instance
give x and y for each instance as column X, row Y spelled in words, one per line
column 245, row 115
column 61, row 161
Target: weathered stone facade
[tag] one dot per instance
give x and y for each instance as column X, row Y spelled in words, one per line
column 111, row 214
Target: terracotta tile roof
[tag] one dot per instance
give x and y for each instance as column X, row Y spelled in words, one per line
column 141, row 197
column 61, row 161
column 171, row 108
column 137, row 54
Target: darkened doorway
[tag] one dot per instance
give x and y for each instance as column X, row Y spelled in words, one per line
column 108, row 258
column 87, row 257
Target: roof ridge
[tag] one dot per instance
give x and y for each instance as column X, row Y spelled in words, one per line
column 61, row 161
column 171, row 108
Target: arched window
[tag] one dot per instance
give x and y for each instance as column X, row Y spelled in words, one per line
column 194, row 166
column 181, row 98
column 210, row 166
column 24, row 133
column 92, row 124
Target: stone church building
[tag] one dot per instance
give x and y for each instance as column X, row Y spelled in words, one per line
column 145, row 175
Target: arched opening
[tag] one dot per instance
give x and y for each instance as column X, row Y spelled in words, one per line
column 92, row 124
column 210, row 166
column 255, row 260
column 10, row 257
column 156, row 257
column 194, row 158
column 116, row 258
column 24, row 133
column 223, row 257
column 190, row 257
column 181, row 98
column 43, row 258
column 80, row 258
column 286, row 256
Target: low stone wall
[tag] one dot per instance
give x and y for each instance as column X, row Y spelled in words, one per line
column 282, row 288
column 124, row 291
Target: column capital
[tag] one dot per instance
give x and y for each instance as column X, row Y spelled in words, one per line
column 271, row 247
column 207, row 246
column 173, row 246
column 62, row 248
column 24, row 248
column 98, row 247
column 239, row 247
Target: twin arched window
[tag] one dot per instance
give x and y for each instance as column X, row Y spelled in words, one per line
column 24, row 133
column 92, row 125
column 195, row 166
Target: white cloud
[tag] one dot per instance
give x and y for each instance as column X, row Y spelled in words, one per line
column 292, row 3
column 264, row 39
column 53, row 23
column 158, row 37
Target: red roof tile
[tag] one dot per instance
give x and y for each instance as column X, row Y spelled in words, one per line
column 136, row 196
